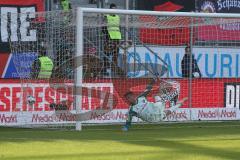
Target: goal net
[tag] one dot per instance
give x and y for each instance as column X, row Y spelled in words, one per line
column 99, row 55
column 194, row 53
column 45, row 91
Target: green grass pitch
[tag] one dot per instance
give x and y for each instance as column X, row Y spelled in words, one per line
column 184, row 141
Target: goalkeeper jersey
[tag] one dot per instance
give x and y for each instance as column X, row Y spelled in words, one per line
column 142, row 103
column 149, row 111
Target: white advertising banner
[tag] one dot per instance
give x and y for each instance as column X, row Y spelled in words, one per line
column 115, row 116
column 215, row 114
column 212, row 62
column 52, row 117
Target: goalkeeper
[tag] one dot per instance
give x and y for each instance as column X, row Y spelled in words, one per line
column 149, row 111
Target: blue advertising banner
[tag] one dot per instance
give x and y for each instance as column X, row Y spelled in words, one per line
column 18, row 65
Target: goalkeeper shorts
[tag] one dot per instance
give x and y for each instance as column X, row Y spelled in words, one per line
column 154, row 112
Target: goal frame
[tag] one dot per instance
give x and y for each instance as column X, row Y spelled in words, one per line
column 80, row 45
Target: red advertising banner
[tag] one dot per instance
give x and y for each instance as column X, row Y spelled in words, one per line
column 39, row 4
column 178, row 36
column 170, row 32
column 206, row 93
column 221, row 31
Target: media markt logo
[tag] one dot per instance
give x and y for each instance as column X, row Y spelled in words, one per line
column 208, row 7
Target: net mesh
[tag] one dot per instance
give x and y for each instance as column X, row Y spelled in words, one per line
column 197, row 52
column 200, row 54
column 55, row 38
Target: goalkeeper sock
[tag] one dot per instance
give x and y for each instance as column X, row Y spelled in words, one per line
column 124, row 128
column 128, row 124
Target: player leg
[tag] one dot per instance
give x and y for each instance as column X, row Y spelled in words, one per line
column 153, row 112
column 178, row 104
column 131, row 113
column 174, row 101
column 161, row 108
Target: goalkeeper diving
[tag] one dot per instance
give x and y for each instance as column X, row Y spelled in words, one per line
column 153, row 111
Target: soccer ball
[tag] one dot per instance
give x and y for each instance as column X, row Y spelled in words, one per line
column 31, row 100
column 196, row 75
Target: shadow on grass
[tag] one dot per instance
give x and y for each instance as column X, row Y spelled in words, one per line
column 176, row 147
column 85, row 155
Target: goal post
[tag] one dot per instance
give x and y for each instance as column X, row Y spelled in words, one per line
column 79, row 70
column 94, row 69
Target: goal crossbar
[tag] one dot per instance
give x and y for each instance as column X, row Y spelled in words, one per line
column 159, row 13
